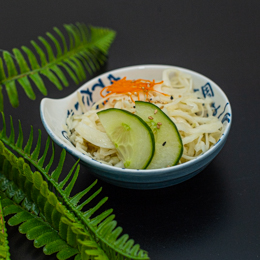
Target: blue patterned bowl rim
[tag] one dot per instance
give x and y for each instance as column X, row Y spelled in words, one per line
column 226, row 115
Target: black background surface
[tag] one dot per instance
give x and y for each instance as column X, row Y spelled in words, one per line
column 215, row 215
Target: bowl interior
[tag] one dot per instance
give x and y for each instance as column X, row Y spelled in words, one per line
column 55, row 111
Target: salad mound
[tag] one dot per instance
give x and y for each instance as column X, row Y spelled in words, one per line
column 192, row 114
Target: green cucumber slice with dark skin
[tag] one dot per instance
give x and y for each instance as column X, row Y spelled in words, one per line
column 131, row 136
column 168, row 143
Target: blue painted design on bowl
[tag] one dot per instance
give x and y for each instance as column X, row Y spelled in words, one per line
column 207, row 90
column 54, row 113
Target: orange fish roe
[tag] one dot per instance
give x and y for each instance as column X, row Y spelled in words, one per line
column 131, row 88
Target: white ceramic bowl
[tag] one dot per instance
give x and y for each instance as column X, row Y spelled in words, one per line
column 55, row 111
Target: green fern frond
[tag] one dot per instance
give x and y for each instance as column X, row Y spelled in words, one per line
column 53, row 225
column 87, row 51
column 36, row 229
column 102, row 229
column 4, row 248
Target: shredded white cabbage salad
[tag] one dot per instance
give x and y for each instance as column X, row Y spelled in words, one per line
column 189, row 110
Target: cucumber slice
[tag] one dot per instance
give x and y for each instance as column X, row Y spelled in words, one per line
column 131, row 136
column 168, row 143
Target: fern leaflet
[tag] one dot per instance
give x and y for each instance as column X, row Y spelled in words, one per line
column 36, row 229
column 87, row 51
column 102, row 229
column 4, row 248
column 42, row 217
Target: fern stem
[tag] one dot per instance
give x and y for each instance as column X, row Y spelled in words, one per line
column 102, row 229
column 70, row 228
column 28, row 221
column 68, row 55
column 4, row 248
column 85, row 42
column 77, row 213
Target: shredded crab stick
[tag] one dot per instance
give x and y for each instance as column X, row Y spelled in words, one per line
column 131, row 87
